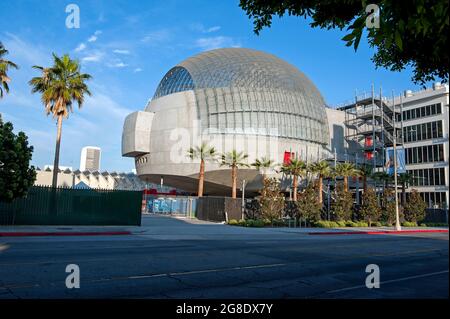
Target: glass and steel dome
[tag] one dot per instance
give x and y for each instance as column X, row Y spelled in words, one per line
column 245, row 91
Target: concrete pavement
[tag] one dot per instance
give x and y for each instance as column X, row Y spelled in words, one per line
column 173, row 258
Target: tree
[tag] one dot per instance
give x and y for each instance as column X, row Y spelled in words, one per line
column 346, row 170
column 234, row 160
column 413, row 33
column 5, row 65
column 370, row 211
column 388, row 207
column 16, row 174
column 405, row 179
column 263, row 164
column 342, row 206
column 296, row 168
column 204, row 153
column 383, row 178
column 415, row 207
column 323, row 170
column 272, row 199
column 365, row 173
column 60, row 85
column 308, row 204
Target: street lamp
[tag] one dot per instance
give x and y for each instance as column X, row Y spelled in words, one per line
column 398, row 227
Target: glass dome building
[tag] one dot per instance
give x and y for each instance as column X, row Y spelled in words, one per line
column 240, row 89
column 233, row 98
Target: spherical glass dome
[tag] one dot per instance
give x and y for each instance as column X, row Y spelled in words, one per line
column 245, row 91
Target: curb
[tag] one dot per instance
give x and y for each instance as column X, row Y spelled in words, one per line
column 35, row 234
column 381, row 232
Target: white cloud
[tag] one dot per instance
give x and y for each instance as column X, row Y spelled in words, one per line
column 137, row 70
column 95, row 57
column 213, row 29
column 117, row 51
column 156, row 36
column 26, row 52
column 211, row 43
column 80, row 48
column 118, row 65
column 94, row 37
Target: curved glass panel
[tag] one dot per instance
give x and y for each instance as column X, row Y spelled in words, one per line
column 242, row 91
column 177, row 79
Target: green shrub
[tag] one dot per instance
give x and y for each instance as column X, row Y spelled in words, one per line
column 350, row 223
column 341, row 223
column 409, row 224
column 361, row 224
column 242, row 222
column 233, row 222
column 326, row 224
column 434, row 225
column 376, row 224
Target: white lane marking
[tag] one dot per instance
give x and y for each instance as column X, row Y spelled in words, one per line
column 390, row 281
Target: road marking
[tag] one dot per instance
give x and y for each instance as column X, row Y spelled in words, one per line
column 390, row 281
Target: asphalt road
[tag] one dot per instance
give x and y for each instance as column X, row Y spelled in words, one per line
column 173, row 258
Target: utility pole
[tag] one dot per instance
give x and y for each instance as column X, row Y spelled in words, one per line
column 397, row 217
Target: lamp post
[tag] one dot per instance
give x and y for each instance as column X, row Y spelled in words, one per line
column 397, row 217
column 243, row 199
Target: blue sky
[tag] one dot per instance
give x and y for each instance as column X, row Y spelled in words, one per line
column 127, row 46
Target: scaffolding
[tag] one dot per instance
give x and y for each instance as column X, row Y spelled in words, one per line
column 370, row 125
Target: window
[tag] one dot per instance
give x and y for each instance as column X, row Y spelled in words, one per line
column 433, row 109
column 440, row 153
column 425, row 154
column 426, row 177
column 422, row 111
column 439, row 129
column 424, row 131
column 434, row 129
column 419, row 155
column 429, row 131
column 428, row 112
column 438, row 108
column 442, row 175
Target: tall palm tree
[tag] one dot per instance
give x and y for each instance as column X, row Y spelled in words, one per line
column 296, row 168
column 60, row 85
column 405, row 179
column 234, row 160
column 347, row 170
column 204, row 152
column 366, row 172
column 5, row 65
column 322, row 170
column 263, row 164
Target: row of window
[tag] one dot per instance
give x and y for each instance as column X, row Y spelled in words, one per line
column 428, row 176
column 432, row 199
column 424, row 131
column 424, row 154
column 423, row 111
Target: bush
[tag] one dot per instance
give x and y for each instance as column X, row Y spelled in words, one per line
column 233, row 222
column 409, row 224
column 341, row 223
column 350, row 223
column 377, row 224
column 434, row 225
column 361, row 224
column 326, row 224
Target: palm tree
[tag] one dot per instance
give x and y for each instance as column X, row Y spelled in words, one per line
column 296, row 168
column 323, row 170
column 5, row 65
column 263, row 164
column 347, row 170
column 60, row 86
column 405, row 179
column 203, row 152
column 366, row 172
column 234, row 160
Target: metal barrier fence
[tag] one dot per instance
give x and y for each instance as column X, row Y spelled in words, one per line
column 68, row 206
column 171, row 205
